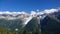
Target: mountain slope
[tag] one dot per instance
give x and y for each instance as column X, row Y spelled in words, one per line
column 50, row 25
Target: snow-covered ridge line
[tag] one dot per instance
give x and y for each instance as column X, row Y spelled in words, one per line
column 44, row 11
column 7, row 14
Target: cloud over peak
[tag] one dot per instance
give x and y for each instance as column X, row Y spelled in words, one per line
column 32, row 12
column 46, row 11
column 8, row 12
column 50, row 10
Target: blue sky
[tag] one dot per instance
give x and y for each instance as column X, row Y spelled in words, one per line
column 28, row 5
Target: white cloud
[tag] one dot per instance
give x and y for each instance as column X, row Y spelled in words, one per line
column 8, row 12
column 50, row 11
column 5, row 12
column 33, row 12
column 46, row 11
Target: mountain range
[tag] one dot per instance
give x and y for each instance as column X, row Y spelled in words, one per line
column 47, row 21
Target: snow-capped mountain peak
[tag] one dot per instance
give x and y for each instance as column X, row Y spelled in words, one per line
column 7, row 14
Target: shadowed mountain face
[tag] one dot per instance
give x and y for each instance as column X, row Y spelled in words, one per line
column 51, row 24
column 57, row 14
